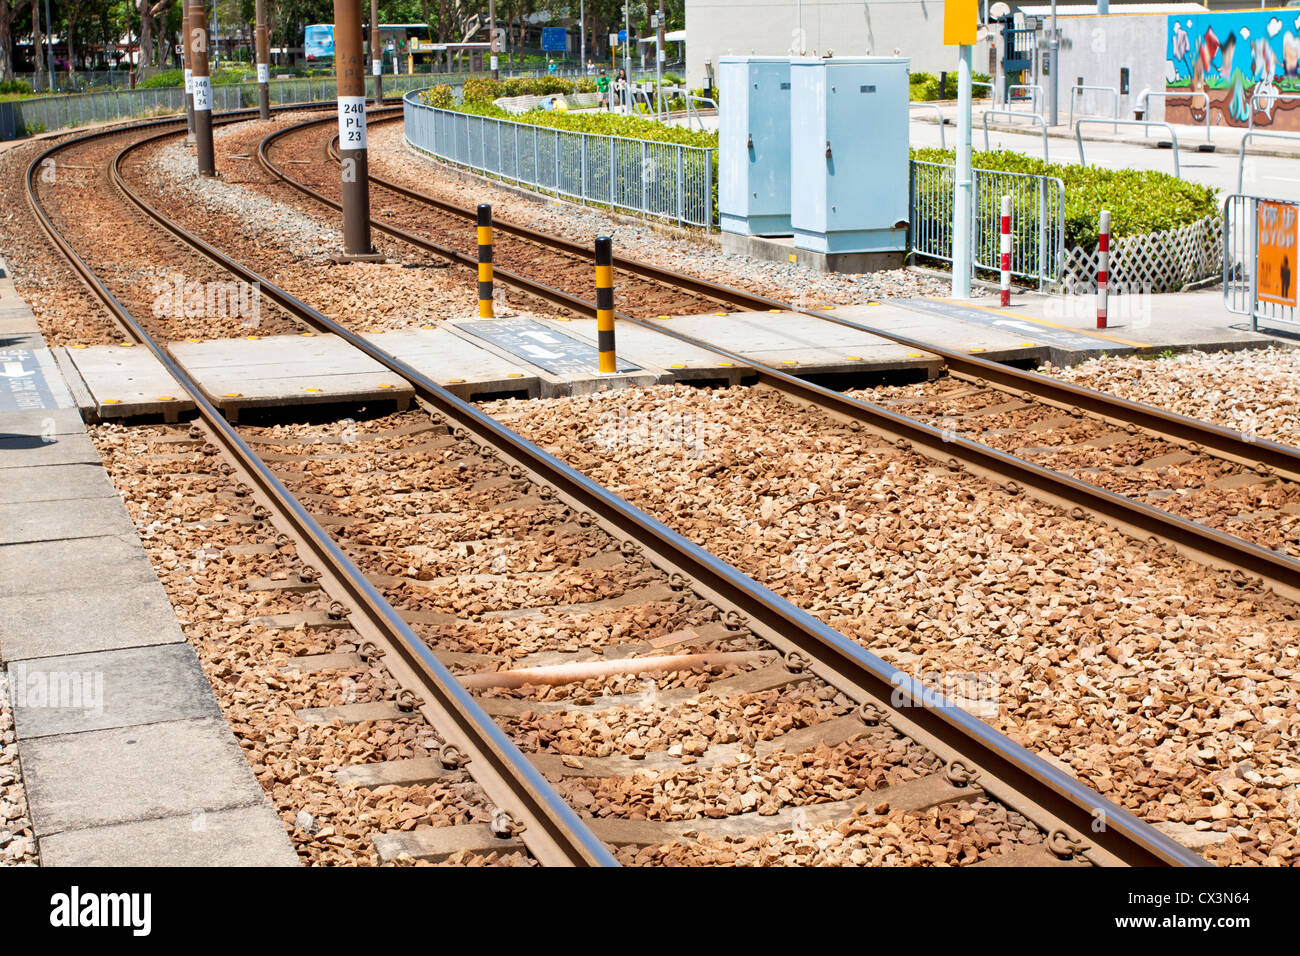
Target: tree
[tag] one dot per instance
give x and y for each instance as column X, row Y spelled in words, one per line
column 36, row 47
column 6, row 40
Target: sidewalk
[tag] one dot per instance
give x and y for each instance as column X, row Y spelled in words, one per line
column 1192, row 139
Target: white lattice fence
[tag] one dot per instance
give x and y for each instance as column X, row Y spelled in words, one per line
column 1154, row 262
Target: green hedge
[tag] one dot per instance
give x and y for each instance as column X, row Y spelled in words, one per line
column 484, row 89
column 577, row 121
column 177, row 78
column 925, row 86
column 1140, row 201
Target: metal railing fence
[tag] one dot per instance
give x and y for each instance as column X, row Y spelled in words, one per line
column 664, row 180
column 1037, row 219
column 44, row 113
column 1241, row 264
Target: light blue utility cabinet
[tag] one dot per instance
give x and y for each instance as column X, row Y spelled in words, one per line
column 848, row 161
column 754, row 145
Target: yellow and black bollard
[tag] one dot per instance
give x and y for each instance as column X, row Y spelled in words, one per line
column 605, row 303
column 485, row 261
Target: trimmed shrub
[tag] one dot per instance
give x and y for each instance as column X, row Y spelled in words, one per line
column 1140, row 201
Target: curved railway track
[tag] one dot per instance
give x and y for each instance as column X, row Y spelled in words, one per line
column 1252, row 552
column 964, row 752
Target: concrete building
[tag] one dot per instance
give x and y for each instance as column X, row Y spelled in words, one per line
column 914, row 29
column 910, row 28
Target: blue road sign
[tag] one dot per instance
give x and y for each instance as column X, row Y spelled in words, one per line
column 622, row 36
column 555, row 39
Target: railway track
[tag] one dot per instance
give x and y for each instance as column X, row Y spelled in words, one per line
column 1027, row 418
column 493, row 489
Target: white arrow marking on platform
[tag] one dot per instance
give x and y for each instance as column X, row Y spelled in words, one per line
column 541, row 337
column 538, row 352
column 16, row 370
column 1020, row 326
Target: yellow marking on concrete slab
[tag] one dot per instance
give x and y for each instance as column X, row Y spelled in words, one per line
column 725, row 364
column 1052, row 325
column 854, row 358
column 514, row 375
column 719, row 313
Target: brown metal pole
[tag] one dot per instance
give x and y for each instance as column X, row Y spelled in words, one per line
column 376, row 53
column 351, row 78
column 198, row 47
column 187, row 64
column 263, row 64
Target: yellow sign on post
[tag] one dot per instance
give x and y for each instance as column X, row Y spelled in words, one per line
column 959, row 21
column 1275, row 253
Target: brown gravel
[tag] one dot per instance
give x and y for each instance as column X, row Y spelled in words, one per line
column 1154, row 680
column 439, row 528
column 948, row 835
column 66, row 312
column 1265, row 511
column 1253, row 391
column 289, row 239
column 693, row 253
column 184, row 511
column 17, row 837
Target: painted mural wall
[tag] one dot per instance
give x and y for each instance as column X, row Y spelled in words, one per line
column 1231, row 57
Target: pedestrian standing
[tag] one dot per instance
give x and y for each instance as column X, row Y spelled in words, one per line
column 620, row 90
column 602, row 91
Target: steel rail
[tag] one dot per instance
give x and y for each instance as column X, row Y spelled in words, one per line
column 1224, row 441
column 552, row 831
column 1204, row 544
column 1007, row 771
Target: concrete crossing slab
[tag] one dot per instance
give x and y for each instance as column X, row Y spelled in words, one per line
column 801, row 344
column 126, row 381
column 280, row 370
column 680, row 361
column 464, row 368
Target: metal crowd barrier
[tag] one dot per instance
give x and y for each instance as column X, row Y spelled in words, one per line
column 664, row 180
column 1241, row 263
column 1016, row 113
column 1145, row 98
column 1078, row 88
column 1038, row 217
column 1078, row 136
column 46, row 113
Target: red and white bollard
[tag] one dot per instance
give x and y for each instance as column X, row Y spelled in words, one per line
column 1103, row 267
column 1006, row 251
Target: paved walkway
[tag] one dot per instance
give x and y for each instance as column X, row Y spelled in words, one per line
column 126, row 758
